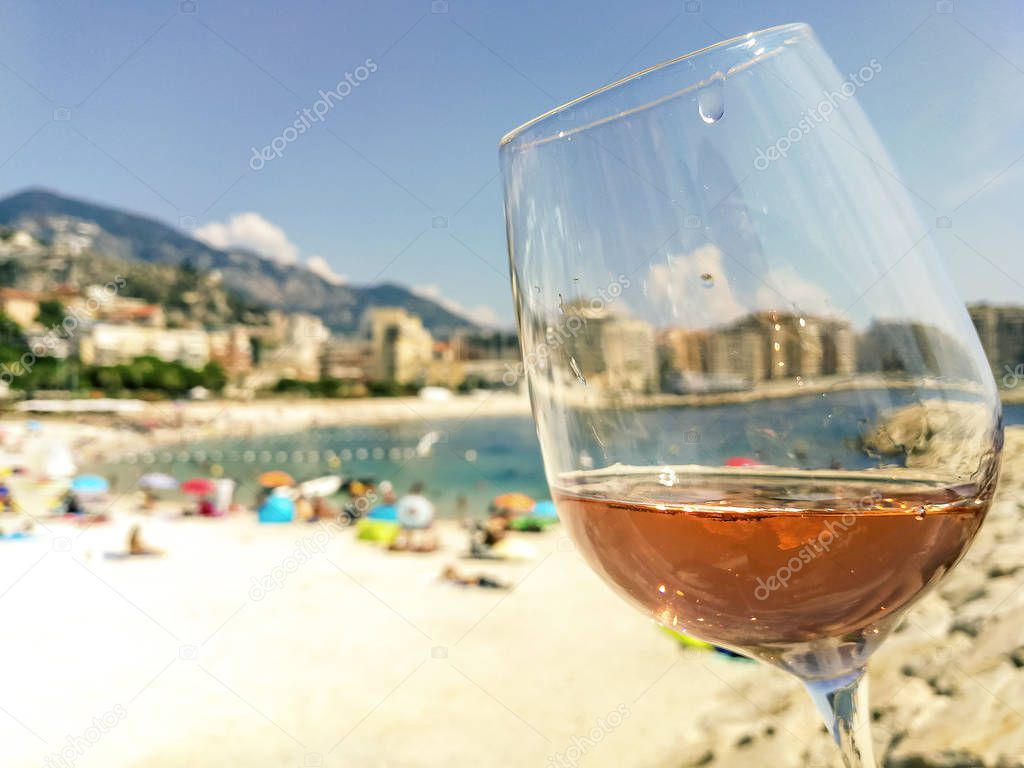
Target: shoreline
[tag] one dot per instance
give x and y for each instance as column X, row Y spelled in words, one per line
column 165, row 424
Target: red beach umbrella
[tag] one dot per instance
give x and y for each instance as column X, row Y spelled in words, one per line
column 199, row 486
column 742, row 461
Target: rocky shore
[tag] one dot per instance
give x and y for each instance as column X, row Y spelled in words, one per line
column 947, row 689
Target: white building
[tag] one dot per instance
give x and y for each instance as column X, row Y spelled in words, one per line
column 110, row 344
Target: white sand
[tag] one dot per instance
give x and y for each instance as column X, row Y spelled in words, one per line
column 361, row 658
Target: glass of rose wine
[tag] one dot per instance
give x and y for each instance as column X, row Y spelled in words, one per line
column 765, row 415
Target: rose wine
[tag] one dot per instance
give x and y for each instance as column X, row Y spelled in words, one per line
column 800, row 570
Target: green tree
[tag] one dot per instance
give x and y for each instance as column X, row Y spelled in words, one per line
column 212, row 377
column 51, row 313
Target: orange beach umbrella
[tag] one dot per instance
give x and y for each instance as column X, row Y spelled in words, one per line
column 513, row 502
column 275, row 478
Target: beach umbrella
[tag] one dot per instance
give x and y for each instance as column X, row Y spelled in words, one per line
column 414, row 511
column 157, row 481
column 384, row 512
column 741, row 461
column 199, row 486
column 275, row 478
column 544, row 508
column 277, row 509
column 513, row 502
column 90, row 484
column 321, row 486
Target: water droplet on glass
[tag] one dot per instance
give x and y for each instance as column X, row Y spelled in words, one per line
column 708, row 280
column 710, row 102
column 575, row 368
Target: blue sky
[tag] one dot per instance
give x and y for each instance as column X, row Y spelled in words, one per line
column 167, row 99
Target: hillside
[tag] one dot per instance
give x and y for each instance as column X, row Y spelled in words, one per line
column 76, row 231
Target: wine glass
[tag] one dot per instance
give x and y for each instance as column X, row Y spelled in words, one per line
column 766, row 418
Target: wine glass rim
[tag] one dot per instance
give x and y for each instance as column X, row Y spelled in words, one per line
column 780, row 28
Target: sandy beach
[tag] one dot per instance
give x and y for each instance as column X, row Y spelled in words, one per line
column 297, row 645
column 354, row 657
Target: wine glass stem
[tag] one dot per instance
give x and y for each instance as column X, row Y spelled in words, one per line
column 843, row 702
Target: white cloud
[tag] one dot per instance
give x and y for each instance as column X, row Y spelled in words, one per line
column 482, row 314
column 318, row 266
column 789, row 292
column 253, row 232
column 694, row 287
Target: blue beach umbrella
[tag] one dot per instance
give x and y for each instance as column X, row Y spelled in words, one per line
column 384, row 512
column 277, row 509
column 544, row 508
column 90, row 484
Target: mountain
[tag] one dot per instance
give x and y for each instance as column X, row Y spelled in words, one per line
column 88, row 230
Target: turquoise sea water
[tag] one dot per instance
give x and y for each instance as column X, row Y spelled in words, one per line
column 478, row 459
column 481, row 458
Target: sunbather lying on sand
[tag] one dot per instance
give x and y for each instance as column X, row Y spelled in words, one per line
column 451, row 573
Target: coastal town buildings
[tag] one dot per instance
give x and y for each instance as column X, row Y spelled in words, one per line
column 402, row 349
column 1001, row 330
column 762, row 346
column 485, row 357
column 294, row 346
column 110, row 344
column 231, row 349
column 20, row 306
column 346, row 359
column 611, row 352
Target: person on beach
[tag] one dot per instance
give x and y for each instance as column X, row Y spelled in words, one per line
column 415, row 514
column 484, row 535
column 452, row 574
column 322, row 510
column 71, row 504
column 6, row 497
column 136, row 546
column 304, row 510
column 357, row 504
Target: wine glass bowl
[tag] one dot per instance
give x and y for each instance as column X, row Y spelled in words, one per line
column 765, row 416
